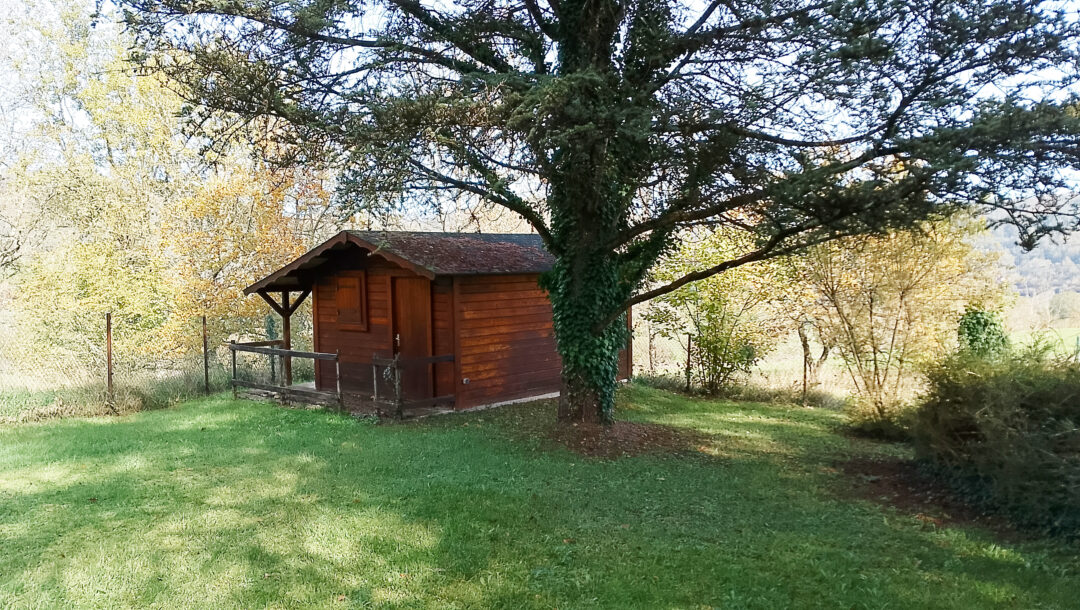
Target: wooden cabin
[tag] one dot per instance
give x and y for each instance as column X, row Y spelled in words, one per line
column 459, row 317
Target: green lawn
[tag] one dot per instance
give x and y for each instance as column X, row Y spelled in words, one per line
column 218, row 504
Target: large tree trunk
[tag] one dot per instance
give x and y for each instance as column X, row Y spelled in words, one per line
column 590, row 369
column 581, row 402
column 592, row 168
column 585, row 290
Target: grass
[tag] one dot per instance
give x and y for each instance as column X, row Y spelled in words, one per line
column 216, row 503
column 1063, row 340
column 133, row 391
column 14, row 401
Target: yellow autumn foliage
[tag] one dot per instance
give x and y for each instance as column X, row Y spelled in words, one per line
column 891, row 303
column 235, row 230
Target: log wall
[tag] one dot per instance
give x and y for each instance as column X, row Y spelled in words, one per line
column 498, row 327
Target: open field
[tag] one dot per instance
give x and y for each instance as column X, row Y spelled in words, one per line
column 216, row 503
column 1063, row 340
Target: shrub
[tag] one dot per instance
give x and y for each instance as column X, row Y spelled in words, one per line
column 732, row 319
column 981, row 334
column 890, row 421
column 1007, row 432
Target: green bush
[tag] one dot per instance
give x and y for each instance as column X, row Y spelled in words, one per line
column 1006, row 431
column 982, row 334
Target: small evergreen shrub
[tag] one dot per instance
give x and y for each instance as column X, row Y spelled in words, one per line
column 981, row 334
column 1006, row 432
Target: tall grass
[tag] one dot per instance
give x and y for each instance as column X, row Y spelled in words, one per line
column 133, row 392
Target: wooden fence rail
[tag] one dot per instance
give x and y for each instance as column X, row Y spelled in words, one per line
column 287, row 393
column 393, row 367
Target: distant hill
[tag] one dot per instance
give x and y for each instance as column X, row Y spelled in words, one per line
column 1050, row 267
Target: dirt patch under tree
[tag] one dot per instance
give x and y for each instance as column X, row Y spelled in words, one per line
column 902, row 485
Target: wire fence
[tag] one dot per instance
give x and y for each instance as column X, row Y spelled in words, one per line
column 112, row 369
column 112, row 365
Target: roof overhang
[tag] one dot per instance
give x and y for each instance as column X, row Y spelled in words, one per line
column 293, row 276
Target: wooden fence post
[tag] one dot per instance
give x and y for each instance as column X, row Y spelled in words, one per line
column 688, row 346
column 205, row 357
column 110, row 396
column 286, row 336
column 337, row 374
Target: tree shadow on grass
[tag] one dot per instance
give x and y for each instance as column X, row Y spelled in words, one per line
column 238, row 504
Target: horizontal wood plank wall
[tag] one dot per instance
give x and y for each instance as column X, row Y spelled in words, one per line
column 356, row 347
column 442, row 333
column 505, row 339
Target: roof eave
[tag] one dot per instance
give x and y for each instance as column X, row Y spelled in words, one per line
column 344, row 237
column 375, row 249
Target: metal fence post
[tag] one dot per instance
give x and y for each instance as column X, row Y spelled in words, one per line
column 337, row 374
column 232, row 350
column 110, row 395
column 399, row 403
column 688, row 345
column 205, row 357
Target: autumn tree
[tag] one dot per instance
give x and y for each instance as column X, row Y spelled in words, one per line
column 891, row 303
column 613, row 125
column 805, row 311
column 1065, row 305
column 20, row 221
column 102, row 154
column 240, row 225
column 732, row 320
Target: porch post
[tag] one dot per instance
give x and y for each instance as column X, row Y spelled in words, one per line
column 286, row 336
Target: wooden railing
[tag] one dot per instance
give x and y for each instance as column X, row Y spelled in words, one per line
column 391, row 370
column 287, row 393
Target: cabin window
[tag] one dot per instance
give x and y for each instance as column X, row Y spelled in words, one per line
column 352, row 301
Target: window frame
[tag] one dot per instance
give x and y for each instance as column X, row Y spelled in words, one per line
column 346, row 319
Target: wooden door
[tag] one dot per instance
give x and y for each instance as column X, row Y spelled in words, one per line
column 412, row 334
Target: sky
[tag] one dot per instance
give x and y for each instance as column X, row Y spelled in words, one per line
column 19, row 45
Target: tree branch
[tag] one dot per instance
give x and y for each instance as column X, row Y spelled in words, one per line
column 511, row 202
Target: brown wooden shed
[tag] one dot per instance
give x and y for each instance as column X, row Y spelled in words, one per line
column 460, row 317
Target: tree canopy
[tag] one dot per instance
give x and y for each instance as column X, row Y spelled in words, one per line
column 612, row 126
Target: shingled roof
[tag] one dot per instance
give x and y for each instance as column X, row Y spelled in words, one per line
column 428, row 254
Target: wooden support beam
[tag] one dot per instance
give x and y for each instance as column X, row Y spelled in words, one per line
column 299, row 301
column 285, row 309
column 286, row 336
column 256, row 348
column 289, row 394
column 270, row 301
